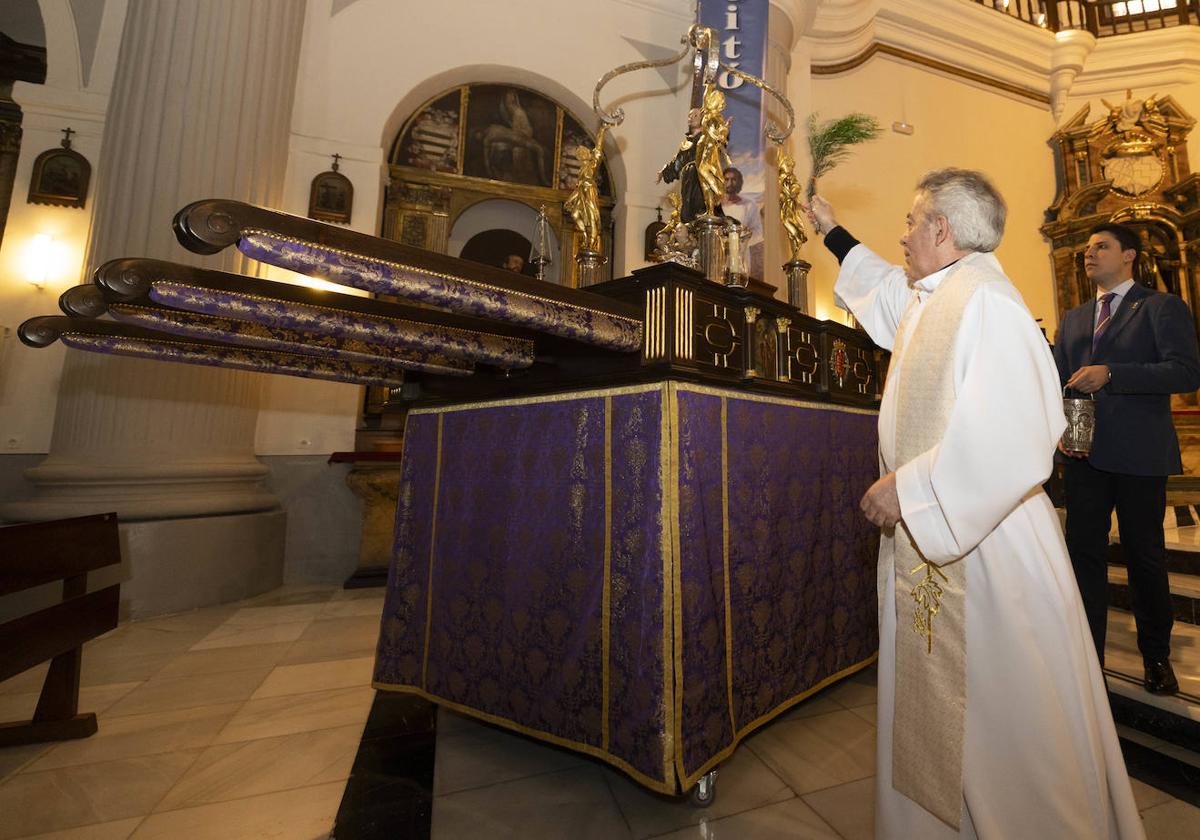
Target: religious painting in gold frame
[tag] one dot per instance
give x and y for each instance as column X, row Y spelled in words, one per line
column 488, row 140
column 331, row 197
column 60, row 178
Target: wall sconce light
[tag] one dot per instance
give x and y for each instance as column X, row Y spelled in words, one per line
column 45, row 260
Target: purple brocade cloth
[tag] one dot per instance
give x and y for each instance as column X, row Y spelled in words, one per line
column 261, row 336
column 425, row 343
column 257, row 361
column 643, row 574
column 455, row 294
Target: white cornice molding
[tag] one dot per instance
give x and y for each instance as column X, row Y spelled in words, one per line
column 42, row 99
column 800, row 14
column 841, row 30
column 953, row 32
column 1071, row 50
column 1163, row 57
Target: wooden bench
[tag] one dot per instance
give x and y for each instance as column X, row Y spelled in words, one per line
column 41, row 553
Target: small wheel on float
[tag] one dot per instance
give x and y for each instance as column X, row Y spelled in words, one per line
column 705, row 791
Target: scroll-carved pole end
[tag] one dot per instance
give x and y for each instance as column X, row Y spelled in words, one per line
column 83, row 302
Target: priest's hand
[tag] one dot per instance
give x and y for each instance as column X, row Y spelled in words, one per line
column 820, row 215
column 881, row 503
column 1090, row 378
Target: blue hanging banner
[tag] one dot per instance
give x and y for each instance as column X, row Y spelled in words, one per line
column 741, row 29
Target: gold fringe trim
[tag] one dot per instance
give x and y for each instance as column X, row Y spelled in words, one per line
column 437, row 482
column 657, row 785
column 544, row 398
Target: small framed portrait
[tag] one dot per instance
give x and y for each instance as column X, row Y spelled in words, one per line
column 60, row 177
column 331, row 197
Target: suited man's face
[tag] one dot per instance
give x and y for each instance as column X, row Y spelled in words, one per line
column 1105, row 263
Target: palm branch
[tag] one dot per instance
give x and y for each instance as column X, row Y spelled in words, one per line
column 829, row 143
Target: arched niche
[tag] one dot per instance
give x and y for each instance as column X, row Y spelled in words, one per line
column 499, row 214
column 489, row 141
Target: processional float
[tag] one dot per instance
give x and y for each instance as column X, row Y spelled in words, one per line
column 627, row 516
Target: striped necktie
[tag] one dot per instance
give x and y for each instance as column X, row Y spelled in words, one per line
column 1105, row 317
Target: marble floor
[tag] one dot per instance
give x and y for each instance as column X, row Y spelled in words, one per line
column 244, row 721
column 1121, row 654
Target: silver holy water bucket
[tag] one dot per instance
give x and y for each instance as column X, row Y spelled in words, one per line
column 1081, row 423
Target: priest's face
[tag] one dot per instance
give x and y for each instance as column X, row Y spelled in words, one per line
column 921, row 257
column 1105, row 263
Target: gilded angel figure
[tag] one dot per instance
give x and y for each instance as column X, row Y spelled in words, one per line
column 791, row 206
column 673, row 221
column 584, row 202
column 711, row 155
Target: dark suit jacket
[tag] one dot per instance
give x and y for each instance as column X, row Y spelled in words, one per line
column 1150, row 347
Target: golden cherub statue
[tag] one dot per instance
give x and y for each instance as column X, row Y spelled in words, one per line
column 673, row 221
column 791, row 207
column 711, row 154
column 584, row 203
column 1132, row 118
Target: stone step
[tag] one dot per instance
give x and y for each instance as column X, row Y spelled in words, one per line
column 1185, row 593
column 1160, row 735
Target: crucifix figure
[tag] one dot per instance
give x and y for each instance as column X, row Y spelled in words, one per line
column 336, row 158
column 66, row 141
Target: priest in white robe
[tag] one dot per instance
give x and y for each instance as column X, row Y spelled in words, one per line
column 993, row 715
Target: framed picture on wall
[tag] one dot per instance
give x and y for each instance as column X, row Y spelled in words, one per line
column 60, row 176
column 511, row 135
column 331, row 196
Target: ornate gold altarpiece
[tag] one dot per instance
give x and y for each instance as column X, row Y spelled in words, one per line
column 1129, row 166
column 444, row 161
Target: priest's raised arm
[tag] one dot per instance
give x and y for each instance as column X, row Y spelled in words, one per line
column 873, row 290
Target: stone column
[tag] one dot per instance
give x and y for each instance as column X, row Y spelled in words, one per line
column 10, row 148
column 201, row 107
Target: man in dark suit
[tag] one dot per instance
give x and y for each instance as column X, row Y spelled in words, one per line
column 1131, row 347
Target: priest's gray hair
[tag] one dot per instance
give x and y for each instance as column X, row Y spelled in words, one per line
column 970, row 203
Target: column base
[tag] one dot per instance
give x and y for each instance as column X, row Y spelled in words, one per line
column 173, row 565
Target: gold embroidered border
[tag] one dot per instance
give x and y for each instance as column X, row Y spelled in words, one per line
column 606, row 596
column 657, row 785
column 437, row 485
column 672, row 600
column 725, row 561
column 546, row 398
column 763, row 398
column 438, row 274
column 686, row 782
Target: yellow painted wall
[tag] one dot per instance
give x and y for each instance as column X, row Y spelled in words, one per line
column 957, row 123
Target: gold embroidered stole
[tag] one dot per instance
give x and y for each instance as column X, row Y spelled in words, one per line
column 931, row 642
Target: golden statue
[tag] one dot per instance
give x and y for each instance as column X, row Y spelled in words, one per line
column 1132, row 118
column 791, row 206
column 584, row 203
column 673, row 221
column 711, row 155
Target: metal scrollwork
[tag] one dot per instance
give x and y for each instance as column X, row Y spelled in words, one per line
column 617, row 116
column 706, row 62
column 772, row 134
